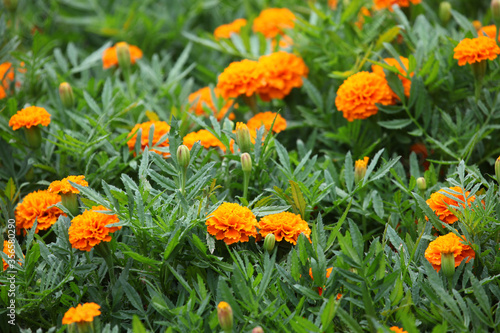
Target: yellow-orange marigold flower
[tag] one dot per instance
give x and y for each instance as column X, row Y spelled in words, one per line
column 36, row 205
column 488, row 31
column 82, row 313
column 357, row 96
column 472, row 50
column 240, row 78
column 232, row 223
column 225, row 30
column 206, row 139
column 447, row 244
column 381, row 4
column 28, row 117
column 282, row 72
column 333, row 4
column 403, row 71
column 328, row 273
column 284, row 225
column 203, row 97
column 110, row 59
column 90, row 228
column 397, row 329
column 438, row 201
column 266, row 119
column 161, row 129
column 271, row 22
column 63, row 186
column 6, row 76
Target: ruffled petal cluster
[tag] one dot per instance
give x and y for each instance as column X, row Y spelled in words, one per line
column 110, row 59
column 28, row 117
column 283, row 71
column 225, row 30
column 232, row 223
column 161, row 128
column 36, row 206
column 488, row 31
column 266, row 119
column 90, row 228
column 438, row 201
column 472, row 50
column 271, row 22
column 82, row 313
column 403, row 71
column 362, row 164
column 63, row 186
column 203, row 97
column 285, row 225
column 357, row 96
column 448, row 244
column 206, row 139
column 381, row 4
column 240, row 78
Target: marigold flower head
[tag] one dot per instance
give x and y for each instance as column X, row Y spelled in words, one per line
column 90, row 228
column 397, row 329
column 271, row 22
column 225, row 30
column 28, row 117
column 333, row 4
column 36, row 205
column 63, row 186
column 363, row 12
column 438, row 201
column 328, row 273
column 357, row 96
column 240, row 78
column 203, row 97
column 266, row 119
column 282, row 72
column 161, row 129
column 6, row 76
column 232, row 223
column 393, row 62
column 381, row 4
column 284, row 225
column 81, row 313
column 488, row 31
column 448, row 244
column 110, row 58
column 472, row 50
column 206, row 139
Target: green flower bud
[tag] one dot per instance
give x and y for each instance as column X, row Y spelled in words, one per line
column 243, row 138
column 183, row 156
column 445, row 12
column 448, row 264
column 269, row 242
column 66, row 95
column 495, row 9
column 246, row 162
column 421, row 185
column 497, row 169
column 225, row 316
column 123, row 55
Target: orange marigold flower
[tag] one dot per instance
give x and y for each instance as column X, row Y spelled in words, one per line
column 448, row 244
column 225, row 30
column 477, row 24
column 333, row 4
column 63, row 186
column 363, row 12
column 90, row 228
column 282, row 72
column 28, row 117
column 36, row 206
column 397, row 329
column 438, row 201
column 110, row 59
column 266, row 119
column 232, row 223
column 272, row 21
column 381, row 4
column 240, row 78
column 472, row 50
column 328, row 272
column 6, row 76
column 403, row 71
column 206, row 139
column 203, row 97
column 284, row 225
column 357, row 96
column 82, row 313
column 161, row 128
column 488, row 31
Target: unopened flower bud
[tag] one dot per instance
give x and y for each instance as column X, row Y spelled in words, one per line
column 448, row 264
column 225, row 316
column 445, row 12
column 421, row 184
column 10, row 5
column 123, row 54
column 360, row 169
column 243, row 138
column 258, row 329
column 66, row 95
column 183, row 156
column 497, row 169
column 246, row 162
column 269, row 242
column 495, row 9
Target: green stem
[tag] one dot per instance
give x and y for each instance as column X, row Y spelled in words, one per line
column 246, row 180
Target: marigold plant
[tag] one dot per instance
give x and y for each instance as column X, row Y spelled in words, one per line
column 282, row 72
column 357, row 96
column 448, row 244
column 232, row 223
column 284, row 225
column 91, row 228
column 472, row 50
column 225, row 30
column 240, row 78
column 81, row 313
column 266, row 119
column 206, row 139
column 403, row 71
column 271, row 22
column 63, row 186
column 29, row 117
column 203, row 97
column 381, row 4
column 37, row 205
column 161, row 128
column 110, row 59
column 438, row 203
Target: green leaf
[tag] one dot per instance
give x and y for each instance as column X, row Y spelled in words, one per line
column 298, row 198
column 395, row 123
column 137, row 326
column 349, row 172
